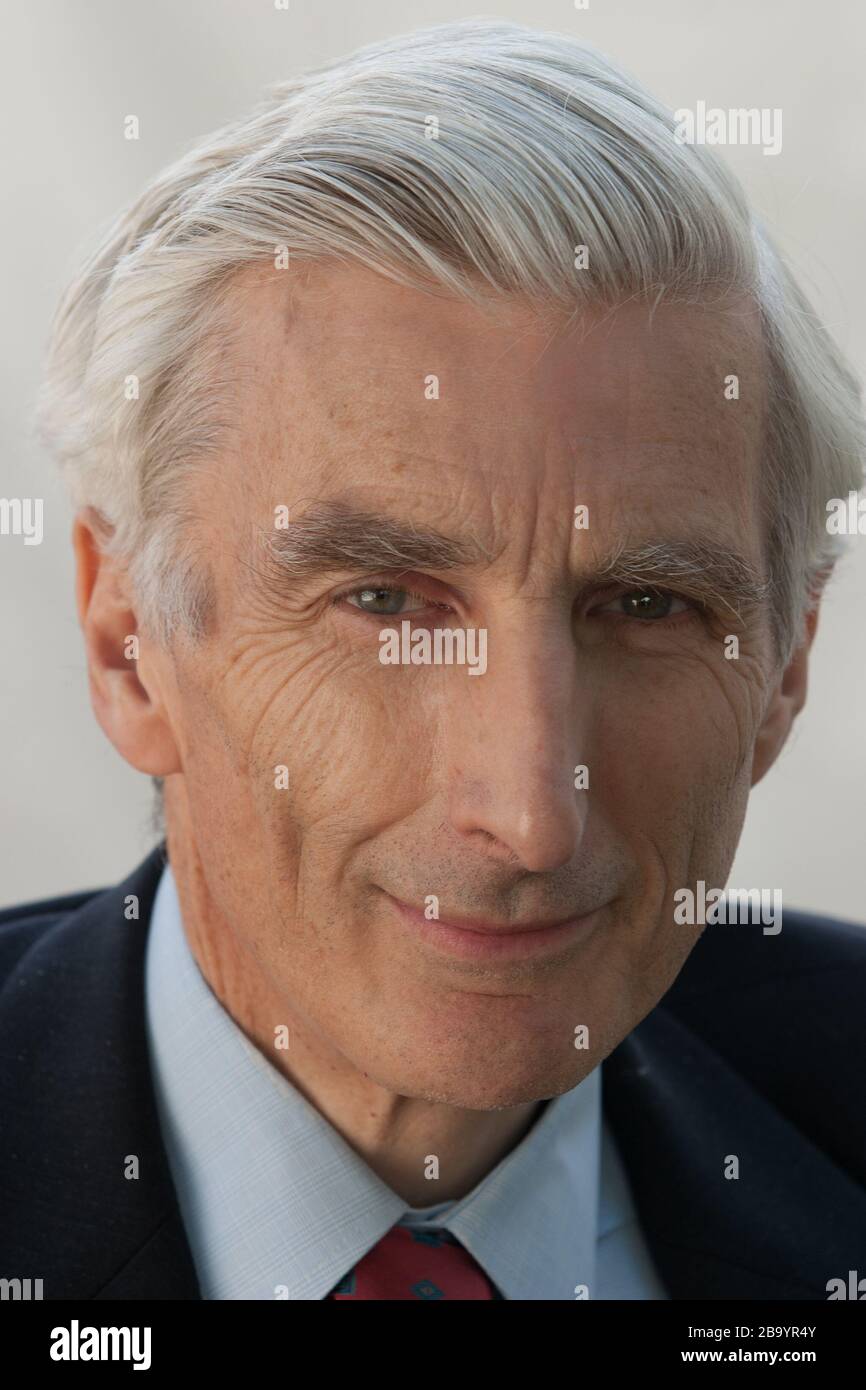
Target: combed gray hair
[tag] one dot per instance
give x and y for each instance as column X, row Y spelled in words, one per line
column 543, row 144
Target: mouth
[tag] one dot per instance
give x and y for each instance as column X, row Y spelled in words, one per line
column 469, row 938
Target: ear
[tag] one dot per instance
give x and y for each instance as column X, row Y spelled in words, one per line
column 127, row 701
column 787, row 700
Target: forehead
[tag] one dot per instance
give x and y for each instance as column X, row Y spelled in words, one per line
column 346, row 377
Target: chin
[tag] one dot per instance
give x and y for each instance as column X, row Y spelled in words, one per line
column 476, row 1086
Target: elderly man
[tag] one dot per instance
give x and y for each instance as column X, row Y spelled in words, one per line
column 451, row 452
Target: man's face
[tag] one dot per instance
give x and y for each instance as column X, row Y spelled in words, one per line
column 407, row 782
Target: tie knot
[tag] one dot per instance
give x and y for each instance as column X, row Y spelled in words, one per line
column 416, row 1262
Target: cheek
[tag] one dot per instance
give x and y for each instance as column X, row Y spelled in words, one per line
column 325, row 737
column 676, row 786
column 689, row 724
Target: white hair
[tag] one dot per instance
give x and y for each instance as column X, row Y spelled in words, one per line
column 543, row 144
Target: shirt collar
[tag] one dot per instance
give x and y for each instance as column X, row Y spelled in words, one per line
column 289, row 1214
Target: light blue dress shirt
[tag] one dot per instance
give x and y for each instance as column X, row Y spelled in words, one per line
column 276, row 1204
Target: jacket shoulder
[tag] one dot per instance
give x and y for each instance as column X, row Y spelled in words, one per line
column 741, row 956
column 25, row 923
column 43, row 925
column 785, row 1010
column 76, row 1092
column 46, row 907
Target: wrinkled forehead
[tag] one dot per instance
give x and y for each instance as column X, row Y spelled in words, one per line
column 320, row 337
column 347, row 379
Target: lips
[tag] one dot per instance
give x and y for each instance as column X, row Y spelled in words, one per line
column 473, row 938
column 490, row 928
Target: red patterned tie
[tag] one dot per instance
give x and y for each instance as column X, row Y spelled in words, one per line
column 410, row 1262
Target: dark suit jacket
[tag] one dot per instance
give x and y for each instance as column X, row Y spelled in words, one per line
column 758, row 1051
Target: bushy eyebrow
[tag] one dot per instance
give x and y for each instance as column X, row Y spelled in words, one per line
column 333, row 537
column 711, row 573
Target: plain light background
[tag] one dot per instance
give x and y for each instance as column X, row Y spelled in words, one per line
column 73, row 815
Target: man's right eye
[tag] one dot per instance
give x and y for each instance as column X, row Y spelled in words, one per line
column 384, row 600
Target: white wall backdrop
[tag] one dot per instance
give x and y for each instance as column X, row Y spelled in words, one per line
column 72, row 814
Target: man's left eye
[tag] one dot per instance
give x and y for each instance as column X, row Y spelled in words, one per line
column 648, row 604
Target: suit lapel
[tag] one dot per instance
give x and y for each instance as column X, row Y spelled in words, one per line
column 680, row 1114
column 78, row 1081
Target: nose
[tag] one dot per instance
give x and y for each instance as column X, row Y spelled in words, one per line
column 514, row 744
